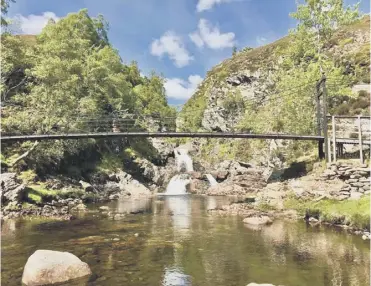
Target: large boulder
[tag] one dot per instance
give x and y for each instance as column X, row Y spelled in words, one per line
column 136, row 189
column 86, row 186
column 164, row 149
column 45, row 267
column 11, row 188
column 238, row 178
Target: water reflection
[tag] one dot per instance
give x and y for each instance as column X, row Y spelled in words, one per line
column 175, row 277
column 180, row 211
column 139, row 205
column 179, row 243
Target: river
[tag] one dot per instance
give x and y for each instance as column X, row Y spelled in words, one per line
column 173, row 241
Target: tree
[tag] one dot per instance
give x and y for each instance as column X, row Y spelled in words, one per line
column 4, row 10
column 318, row 19
column 234, row 50
column 75, row 81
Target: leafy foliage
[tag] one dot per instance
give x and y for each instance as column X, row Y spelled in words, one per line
column 71, row 71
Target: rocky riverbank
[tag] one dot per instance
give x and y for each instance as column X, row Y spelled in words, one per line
column 337, row 196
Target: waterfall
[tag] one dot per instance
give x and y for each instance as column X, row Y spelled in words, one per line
column 211, row 180
column 178, row 184
column 183, row 161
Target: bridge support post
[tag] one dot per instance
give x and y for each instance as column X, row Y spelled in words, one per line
column 321, row 152
column 325, row 133
column 334, row 137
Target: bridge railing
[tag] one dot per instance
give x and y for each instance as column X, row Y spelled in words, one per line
column 349, row 137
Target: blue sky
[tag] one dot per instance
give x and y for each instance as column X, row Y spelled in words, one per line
column 181, row 39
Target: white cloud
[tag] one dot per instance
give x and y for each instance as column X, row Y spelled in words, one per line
column 261, row 41
column 177, row 88
column 171, row 44
column 211, row 36
column 203, row 5
column 33, row 24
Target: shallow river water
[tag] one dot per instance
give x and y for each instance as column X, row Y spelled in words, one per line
column 173, row 241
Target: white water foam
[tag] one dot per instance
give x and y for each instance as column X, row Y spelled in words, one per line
column 183, row 160
column 211, row 180
column 178, row 184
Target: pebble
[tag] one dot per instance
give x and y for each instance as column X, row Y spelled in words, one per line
column 136, row 235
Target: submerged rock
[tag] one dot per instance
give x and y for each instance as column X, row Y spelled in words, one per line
column 45, row 267
column 258, row 220
column 256, row 284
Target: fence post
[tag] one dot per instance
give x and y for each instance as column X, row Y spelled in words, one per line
column 360, row 139
column 334, row 137
column 325, row 135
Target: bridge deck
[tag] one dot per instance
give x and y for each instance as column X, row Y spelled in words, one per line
column 21, row 138
column 158, row 134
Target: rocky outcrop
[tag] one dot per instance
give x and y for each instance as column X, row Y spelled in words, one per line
column 46, row 267
column 11, row 188
column 239, row 178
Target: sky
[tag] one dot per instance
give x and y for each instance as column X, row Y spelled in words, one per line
column 179, row 39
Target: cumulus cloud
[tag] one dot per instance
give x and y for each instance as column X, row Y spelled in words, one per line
column 33, row 24
column 177, row 88
column 211, row 36
column 203, row 5
column 261, row 41
column 172, row 45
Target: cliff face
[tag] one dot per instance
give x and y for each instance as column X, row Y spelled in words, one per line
column 247, row 80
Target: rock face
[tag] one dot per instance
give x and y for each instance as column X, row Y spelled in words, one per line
column 242, row 84
column 239, row 178
column 45, row 267
column 11, row 189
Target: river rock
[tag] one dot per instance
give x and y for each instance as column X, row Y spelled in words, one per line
column 256, row 284
column 80, row 207
column 258, row 220
column 104, row 208
column 49, row 267
column 86, row 186
column 11, row 189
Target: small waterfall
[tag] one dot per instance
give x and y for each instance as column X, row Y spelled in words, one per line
column 184, row 162
column 178, row 184
column 211, row 180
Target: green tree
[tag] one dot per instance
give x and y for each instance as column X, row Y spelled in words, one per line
column 4, row 10
column 234, row 50
column 318, row 20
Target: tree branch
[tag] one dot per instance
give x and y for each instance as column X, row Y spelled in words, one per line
column 24, row 155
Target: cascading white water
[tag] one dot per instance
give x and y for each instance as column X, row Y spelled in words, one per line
column 211, row 180
column 177, row 185
column 183, row 161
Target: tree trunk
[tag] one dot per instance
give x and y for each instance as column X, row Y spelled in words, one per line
column 24, row 155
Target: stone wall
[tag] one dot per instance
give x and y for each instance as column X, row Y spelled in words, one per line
column 356, row 180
